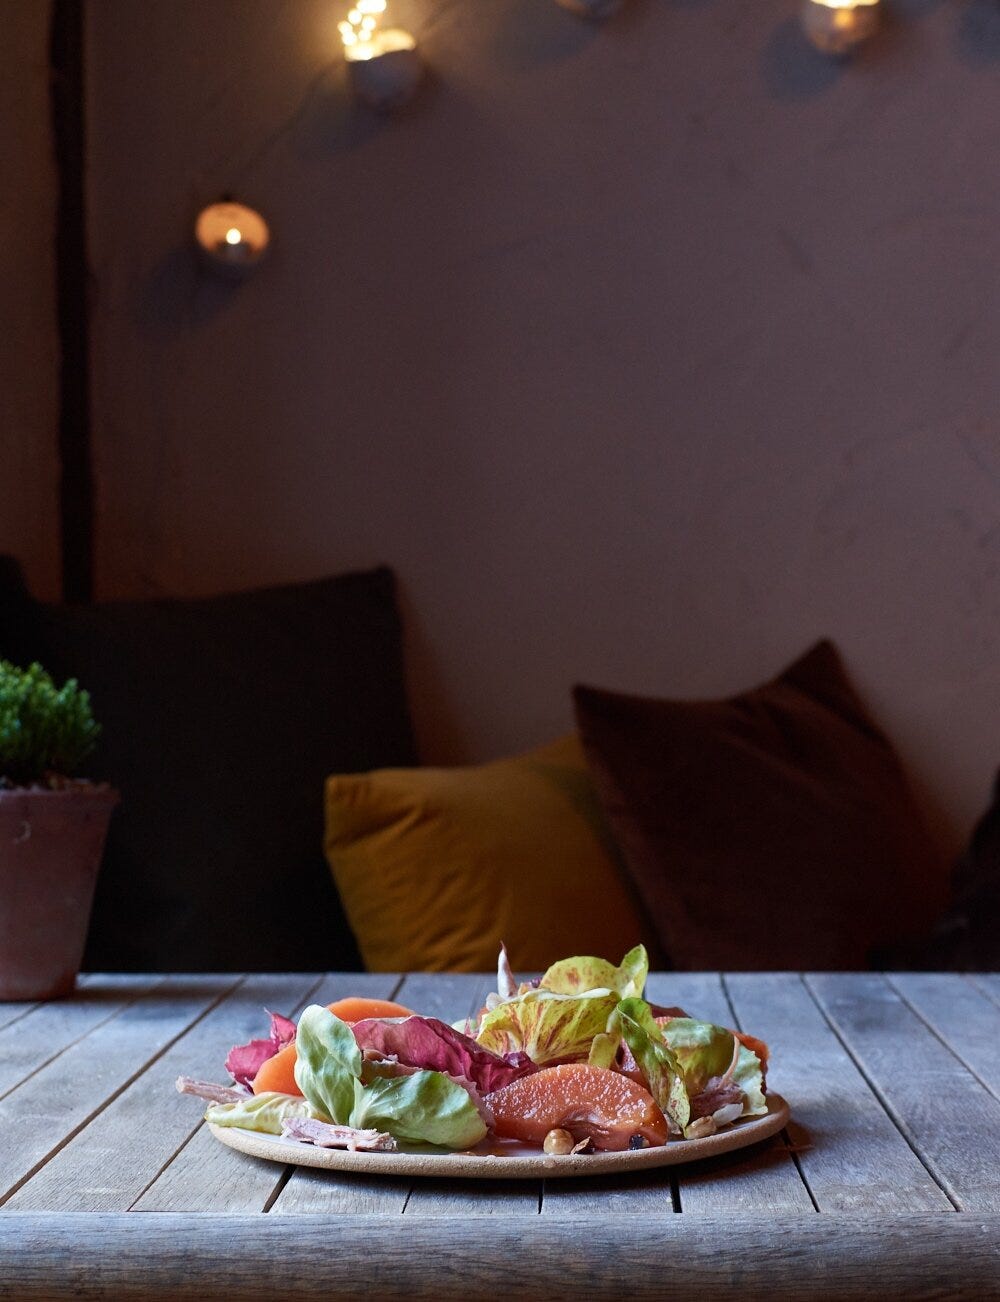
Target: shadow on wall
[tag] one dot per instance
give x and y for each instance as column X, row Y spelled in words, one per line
column 531, row 36
column 978, row 39
column 793, row 69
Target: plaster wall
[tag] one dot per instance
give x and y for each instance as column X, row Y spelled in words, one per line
column 29, row 524
column 646, row 353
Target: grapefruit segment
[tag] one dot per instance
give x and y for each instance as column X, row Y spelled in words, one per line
column 278, row 1073
column 592, row 1103
column 358, row 1009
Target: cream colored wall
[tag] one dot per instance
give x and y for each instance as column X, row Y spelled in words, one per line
column 28, row 341
column 646, row 353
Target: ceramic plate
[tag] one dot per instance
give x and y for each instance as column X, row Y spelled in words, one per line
column 506, row 1161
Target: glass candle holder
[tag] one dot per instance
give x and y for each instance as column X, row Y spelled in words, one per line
column 231, row 237
column 385, row 70
column 837, row 26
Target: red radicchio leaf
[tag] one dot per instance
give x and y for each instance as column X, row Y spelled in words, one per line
column 427, row 1042
column 246, row 1060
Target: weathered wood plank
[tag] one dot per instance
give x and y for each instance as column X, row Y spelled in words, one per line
column 646, row 1193
column 961, row 1015
column 38, row 1117
column 988, row 983
column 850, row 1152
column 450, row 996
column 700, row 994
column 368, row 985
column 110, row 1163
column 204, row 1175
column 763, row 1179
column 459, row 1200
column 11, row 1012
column 951, row 1120
column 333, row 1193
column 39, row 1036
column 920, row 1258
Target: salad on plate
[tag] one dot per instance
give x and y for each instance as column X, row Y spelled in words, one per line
column 574, row 1061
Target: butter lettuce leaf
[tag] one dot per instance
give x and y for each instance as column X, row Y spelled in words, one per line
column 749, row 1077
column 425, row 1108
column 705, row 1051
column 576, row 976
column 548, row 1027
column 655, row 1059
column 328, row 1067
column 263, row 1112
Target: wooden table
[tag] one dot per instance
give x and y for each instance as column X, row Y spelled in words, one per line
column 887, row 1183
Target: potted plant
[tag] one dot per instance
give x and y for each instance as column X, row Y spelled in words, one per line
column 52, row 832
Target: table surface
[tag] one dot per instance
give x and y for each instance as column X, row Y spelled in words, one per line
column 111, row 1186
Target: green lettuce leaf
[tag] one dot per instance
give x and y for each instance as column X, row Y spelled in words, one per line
column 704, row 1051
column 576, row 976
column 546, row 1026
column 750, row 1078
column 425, row 1108
column 655, row 1059
column 328, row 1066
column 263, row 1112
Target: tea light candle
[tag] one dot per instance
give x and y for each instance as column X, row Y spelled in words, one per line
column 383, row 62
column 232, row 237
column 592, row 8
column 837, row 26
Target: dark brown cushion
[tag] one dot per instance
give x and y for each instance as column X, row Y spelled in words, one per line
column 222, row 718
column 967, row 937
column 774, row 829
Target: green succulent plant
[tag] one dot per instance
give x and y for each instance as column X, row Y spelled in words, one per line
column 46, row 731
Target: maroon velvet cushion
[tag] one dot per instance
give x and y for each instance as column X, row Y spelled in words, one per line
column 774, row 829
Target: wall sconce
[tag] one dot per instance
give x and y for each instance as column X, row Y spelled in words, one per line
column 837, row 26
column 383, row 62
column 232, row 238
column 592, row 8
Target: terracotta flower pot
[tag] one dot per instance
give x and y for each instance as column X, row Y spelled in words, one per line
column 51, row 843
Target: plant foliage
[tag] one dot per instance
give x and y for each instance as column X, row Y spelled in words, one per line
column 45, row 731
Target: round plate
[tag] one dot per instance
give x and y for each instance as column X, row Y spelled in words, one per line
column 503, row 1161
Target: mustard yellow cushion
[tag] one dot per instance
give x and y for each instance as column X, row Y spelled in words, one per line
column 437, row 866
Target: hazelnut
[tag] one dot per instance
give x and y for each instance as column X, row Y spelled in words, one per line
column 558, row 1141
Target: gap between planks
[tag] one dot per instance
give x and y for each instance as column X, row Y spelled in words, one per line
column 887, row 1107
column 785, row 1137
column 154, row 988
column 915, row 1008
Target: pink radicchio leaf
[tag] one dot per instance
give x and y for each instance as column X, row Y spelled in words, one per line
column 245, row 1060
column 427, row 1042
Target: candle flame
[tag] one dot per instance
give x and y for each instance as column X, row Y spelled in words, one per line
column 234, row 235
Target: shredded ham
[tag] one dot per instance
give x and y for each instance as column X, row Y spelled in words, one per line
column 324, row 1135
column 205, row 1089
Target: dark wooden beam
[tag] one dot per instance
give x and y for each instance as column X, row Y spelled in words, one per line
column 76, row 489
